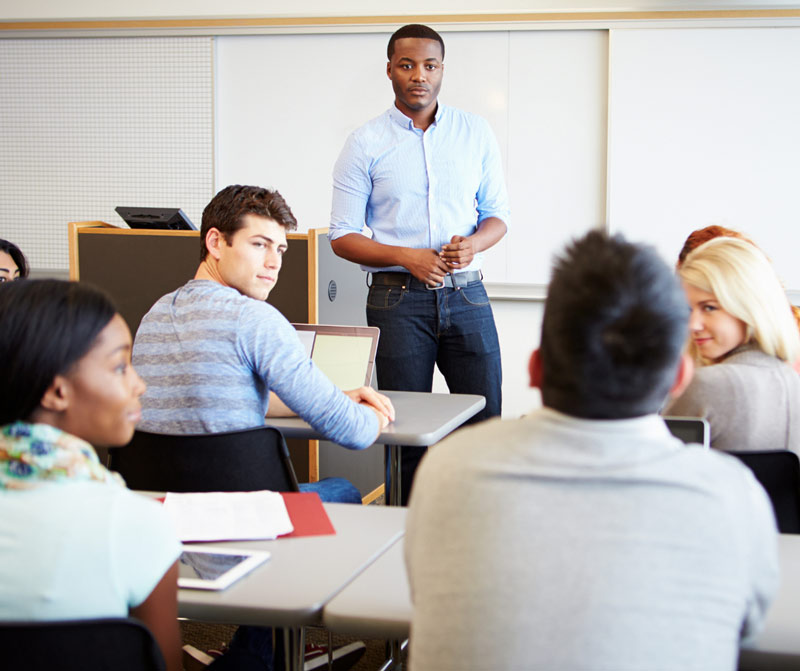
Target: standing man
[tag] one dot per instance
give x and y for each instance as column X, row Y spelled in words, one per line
column 427, row 181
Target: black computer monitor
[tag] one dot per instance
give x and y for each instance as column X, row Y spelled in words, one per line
column 165, row 218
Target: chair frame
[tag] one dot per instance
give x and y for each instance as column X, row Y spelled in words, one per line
column 103, row 644
column 246, row 460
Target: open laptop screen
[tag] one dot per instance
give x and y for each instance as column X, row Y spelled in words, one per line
column 690, row 429
column 346, row 354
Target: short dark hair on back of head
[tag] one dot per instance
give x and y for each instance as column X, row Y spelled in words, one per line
column 229, row 206
column 614, row 328
column 46, row 326
column 414, row 30
column 17, row 256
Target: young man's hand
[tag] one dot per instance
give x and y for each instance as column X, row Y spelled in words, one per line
column 379, row 403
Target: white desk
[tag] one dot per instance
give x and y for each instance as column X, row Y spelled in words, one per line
column 303, row 574
column 778, row 646
column 421, row 419
column 378, row 604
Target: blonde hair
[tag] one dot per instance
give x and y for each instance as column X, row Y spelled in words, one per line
column 745, row 285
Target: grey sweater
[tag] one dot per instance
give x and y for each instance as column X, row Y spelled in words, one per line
column 555, row 543
column 751, row 401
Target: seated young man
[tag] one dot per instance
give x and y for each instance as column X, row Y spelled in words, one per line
column 213, row 351
column 584, row 536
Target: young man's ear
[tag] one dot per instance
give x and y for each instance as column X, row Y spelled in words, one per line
column 56, row 397
column 214, row 241
column 683, row 376
column 535, row 369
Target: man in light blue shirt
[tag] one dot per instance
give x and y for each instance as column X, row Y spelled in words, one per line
column 427, row 181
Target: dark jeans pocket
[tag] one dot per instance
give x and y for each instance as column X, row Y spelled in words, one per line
column 381, row 297
column 475, row 294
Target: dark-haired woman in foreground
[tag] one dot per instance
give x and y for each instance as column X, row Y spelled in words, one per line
column 74, row 542
column 13, row 264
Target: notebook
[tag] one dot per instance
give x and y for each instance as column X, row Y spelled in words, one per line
column 346, row 354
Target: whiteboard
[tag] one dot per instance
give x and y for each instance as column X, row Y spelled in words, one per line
column 286, row 103
column 705, row 129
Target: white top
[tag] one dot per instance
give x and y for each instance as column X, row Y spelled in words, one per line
column 556, row 543
column 75, row 550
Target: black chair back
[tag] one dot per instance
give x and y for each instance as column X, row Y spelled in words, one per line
column 778, row 471
column 235, row 461
column 113, row 644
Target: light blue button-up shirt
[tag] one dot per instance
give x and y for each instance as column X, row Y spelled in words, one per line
column 418, row 189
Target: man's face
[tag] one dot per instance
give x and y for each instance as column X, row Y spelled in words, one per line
column 416, row 70
column 250, row 261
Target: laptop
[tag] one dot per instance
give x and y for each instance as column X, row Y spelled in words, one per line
column 690, row 429
column 346, row 354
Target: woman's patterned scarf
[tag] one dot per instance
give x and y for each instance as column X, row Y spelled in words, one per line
column 31, row 454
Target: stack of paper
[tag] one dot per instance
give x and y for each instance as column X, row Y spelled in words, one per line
column 228, row 516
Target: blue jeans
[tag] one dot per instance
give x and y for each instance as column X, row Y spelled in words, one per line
column 451, row 328
column 251, row 649
column 333, row 490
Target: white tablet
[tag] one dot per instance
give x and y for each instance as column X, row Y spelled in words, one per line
column 216, row 568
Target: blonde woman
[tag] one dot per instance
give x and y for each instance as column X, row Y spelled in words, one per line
column 742, row 334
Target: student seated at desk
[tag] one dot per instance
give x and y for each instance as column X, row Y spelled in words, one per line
column 74, row 542
column 744, row 336
column 212, row 351
column 585, row 536
column 701, row 235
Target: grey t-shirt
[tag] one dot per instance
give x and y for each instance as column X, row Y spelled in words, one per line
column 210, row 357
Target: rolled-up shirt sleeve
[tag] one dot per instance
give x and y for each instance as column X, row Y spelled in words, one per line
column 352, row 186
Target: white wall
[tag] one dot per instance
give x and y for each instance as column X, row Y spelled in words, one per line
column 518, row 322
column 115, row 9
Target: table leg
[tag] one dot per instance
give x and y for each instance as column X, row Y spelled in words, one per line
column 394, row 650
column 295, row 647
column 391, row 459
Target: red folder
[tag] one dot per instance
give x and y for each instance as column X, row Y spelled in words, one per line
column 307, row 514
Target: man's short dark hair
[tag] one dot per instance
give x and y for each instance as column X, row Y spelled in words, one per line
column 615, row 325
column 229, row 206
column 414, row 30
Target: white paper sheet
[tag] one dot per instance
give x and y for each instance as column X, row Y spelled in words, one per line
column 220, row 516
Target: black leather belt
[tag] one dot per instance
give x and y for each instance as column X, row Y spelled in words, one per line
column 451, row 280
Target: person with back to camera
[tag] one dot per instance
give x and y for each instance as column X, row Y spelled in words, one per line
column 74, row 542
column 743, row 333
column 13, row 264
column 584, row 535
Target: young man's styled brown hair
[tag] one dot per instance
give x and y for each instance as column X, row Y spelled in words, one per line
column 227, row 209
